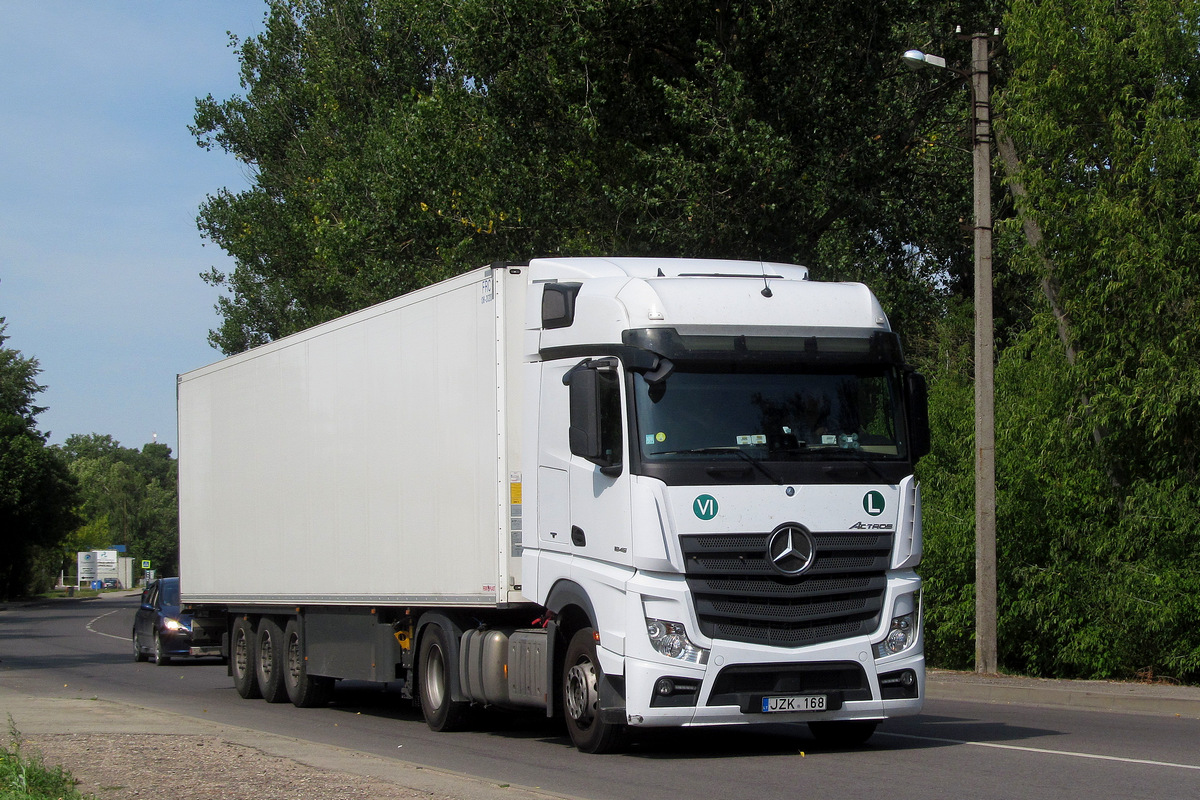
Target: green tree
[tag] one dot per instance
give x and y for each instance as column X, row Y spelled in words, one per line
column 1099, row 397
column 127, row 497
column 36, row 491
column 398, row 142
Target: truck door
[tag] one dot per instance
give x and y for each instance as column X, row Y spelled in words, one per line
column 598, row 473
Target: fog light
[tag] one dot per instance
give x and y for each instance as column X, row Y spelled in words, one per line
column 671, row 640
column 675, row 692
column 900, row 685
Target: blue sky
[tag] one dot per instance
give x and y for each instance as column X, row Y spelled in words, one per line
column 100, row 185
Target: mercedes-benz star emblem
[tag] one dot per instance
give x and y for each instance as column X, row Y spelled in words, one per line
column 791, row 549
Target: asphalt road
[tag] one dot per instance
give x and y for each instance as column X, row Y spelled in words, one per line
column 81, row 649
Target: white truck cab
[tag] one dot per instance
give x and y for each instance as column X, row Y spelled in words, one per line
column 721, row 455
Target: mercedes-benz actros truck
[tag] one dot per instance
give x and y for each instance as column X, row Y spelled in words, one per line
column 627, row 492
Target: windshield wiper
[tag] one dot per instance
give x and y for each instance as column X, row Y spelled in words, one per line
column 737, row 451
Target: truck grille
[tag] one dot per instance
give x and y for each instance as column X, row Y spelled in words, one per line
column 740, row 597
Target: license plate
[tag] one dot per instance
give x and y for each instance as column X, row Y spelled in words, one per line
column 808, row 702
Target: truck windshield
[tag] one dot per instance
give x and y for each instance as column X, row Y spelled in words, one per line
column 770, row 415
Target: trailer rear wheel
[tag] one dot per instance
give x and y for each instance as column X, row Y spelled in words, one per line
column 242, row 659
column 433, row 677
column 582, row 676
column 304, row 690
column 270, row 661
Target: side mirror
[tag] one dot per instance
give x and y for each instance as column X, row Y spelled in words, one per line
column 916, row 396
column 595, row 409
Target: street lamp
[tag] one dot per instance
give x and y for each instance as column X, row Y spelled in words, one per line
column 985, row 418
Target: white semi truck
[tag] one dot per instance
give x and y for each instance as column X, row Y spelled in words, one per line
column 628, row 492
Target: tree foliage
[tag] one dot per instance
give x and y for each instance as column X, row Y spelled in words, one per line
column 1098, row 398
column 397, row 142
column 127, row 497
column 36, row 491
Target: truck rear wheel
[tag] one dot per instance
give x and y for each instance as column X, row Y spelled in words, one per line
column 242, row 659
column 582, row 676
column 269, row 664
column 304, row 690
column 433, row 676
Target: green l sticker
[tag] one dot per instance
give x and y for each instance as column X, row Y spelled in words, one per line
column 873, row 503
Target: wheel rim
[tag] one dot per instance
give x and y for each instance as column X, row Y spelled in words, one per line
column 266, row 654
column 435, row 677
column 241, row 657
column 580, row 691
column 293, row 659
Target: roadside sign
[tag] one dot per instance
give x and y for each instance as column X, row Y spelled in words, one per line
column 145, row 563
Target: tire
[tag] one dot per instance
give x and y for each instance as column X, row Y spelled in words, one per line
column 304, row 690
column 269, row 663
column 160, row 656
column 138, row 655
column 843, row 733
column 433, row 677
column 242, row 659
column 581, row 680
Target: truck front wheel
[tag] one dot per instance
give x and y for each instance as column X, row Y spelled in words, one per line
column 582, row 677
column 434, row 665
column 242, row 659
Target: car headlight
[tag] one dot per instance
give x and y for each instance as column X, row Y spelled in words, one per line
column 671, row 640
column 174, row 625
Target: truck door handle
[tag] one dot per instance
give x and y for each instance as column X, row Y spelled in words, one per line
column 577, row 537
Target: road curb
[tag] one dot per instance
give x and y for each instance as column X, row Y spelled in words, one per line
column 1134, row 698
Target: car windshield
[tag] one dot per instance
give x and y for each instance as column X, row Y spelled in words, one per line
column 170, row 593
column 769, row 414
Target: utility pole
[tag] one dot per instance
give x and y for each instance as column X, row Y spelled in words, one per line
column 985, row 410
column 986, row 651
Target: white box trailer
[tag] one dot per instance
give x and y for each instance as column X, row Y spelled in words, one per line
column 372, row 460
column 631, row 492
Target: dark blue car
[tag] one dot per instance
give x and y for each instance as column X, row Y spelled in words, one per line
column 160, row 630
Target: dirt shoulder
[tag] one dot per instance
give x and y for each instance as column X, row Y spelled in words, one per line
column 128, row 766
column 118, row 752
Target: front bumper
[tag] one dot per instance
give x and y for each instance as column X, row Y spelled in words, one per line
column 731, row 689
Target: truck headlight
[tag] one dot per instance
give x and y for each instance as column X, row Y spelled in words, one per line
column 671, row 640
column 901, row 636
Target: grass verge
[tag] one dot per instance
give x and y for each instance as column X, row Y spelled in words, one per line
column 25, row 777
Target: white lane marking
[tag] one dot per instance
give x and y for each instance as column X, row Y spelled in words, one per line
column 102, row 633
column 1044, row 751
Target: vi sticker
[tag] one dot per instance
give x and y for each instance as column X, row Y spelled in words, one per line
column 705, row 506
